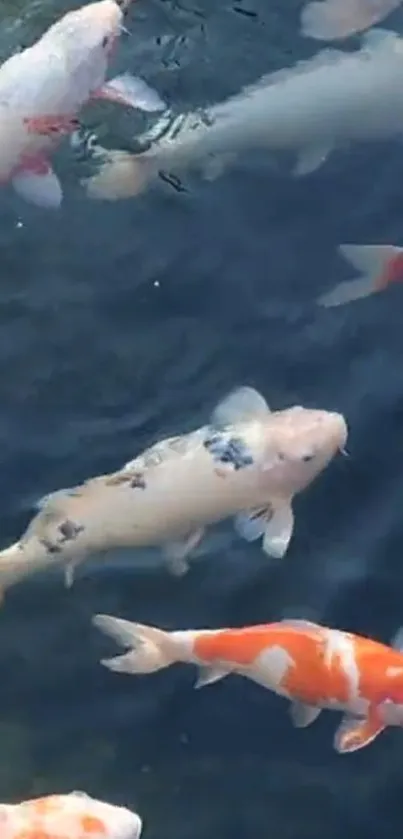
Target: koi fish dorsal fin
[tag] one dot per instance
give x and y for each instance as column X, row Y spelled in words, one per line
column 242, row 404
column 397, row 640
column 301, row 623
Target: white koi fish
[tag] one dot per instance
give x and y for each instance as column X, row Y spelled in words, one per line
column 72, row 816
column 247, row 463
column 333, row 99
column 44, row 87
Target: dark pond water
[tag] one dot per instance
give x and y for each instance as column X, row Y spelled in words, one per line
column 123, row 323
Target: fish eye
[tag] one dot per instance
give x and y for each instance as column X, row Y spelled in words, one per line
column 105, row 41
column 307, row 457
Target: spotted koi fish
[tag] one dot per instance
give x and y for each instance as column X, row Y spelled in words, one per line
column 246, row 463
column 72, row 816
column 312, row 666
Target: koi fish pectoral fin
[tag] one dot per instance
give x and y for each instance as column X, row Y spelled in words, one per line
column 354, row 733
column 310, row 159
column 176, row 553
column 131, row 91
column 209, row 675
column 70, row 571
column 274, row 524
column 303, row 715
column 251, row 525
column 278, row 531
column 39, row 185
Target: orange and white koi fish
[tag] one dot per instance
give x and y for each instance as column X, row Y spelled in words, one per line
column 72, row 816
column 44, row 87
column 312, row 666
column 379, row 267
column 329, row 20
column 247, row 463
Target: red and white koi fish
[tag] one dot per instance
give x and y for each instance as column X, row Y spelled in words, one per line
column 379, row 267
column 312, row 666
column 247, row 462
column 72, row 816
column 329, row 20
column 44, row 87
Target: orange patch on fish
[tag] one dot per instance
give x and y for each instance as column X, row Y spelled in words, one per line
column 313, row 679
column 242, row 646
column 91, row 825
column 44, row 806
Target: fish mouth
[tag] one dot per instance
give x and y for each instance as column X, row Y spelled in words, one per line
column 341, row 431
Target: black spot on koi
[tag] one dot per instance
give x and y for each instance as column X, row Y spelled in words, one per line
column 69, row 530
column 226, row 449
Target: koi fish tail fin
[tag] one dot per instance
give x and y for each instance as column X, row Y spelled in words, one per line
column 120, row 175
column 150, row 649
column 378, row 265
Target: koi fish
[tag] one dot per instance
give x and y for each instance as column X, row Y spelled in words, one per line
column 72, row 816
column 329, row 20
column 310, row 109
column 379, row 267
column 312, row 666
column 247, row 462
column 44, row 87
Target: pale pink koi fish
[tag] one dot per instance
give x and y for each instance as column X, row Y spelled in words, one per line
column 312, row 666
column 330, row 20
column 72, row 816
column 379, row 267
column 44, row 87
column 247, row 463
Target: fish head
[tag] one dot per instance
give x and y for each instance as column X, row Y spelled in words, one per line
column 86, row 38
column 303, row 441
column 119, row 822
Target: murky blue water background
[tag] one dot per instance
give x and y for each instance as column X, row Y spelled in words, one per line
column 123, row 323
